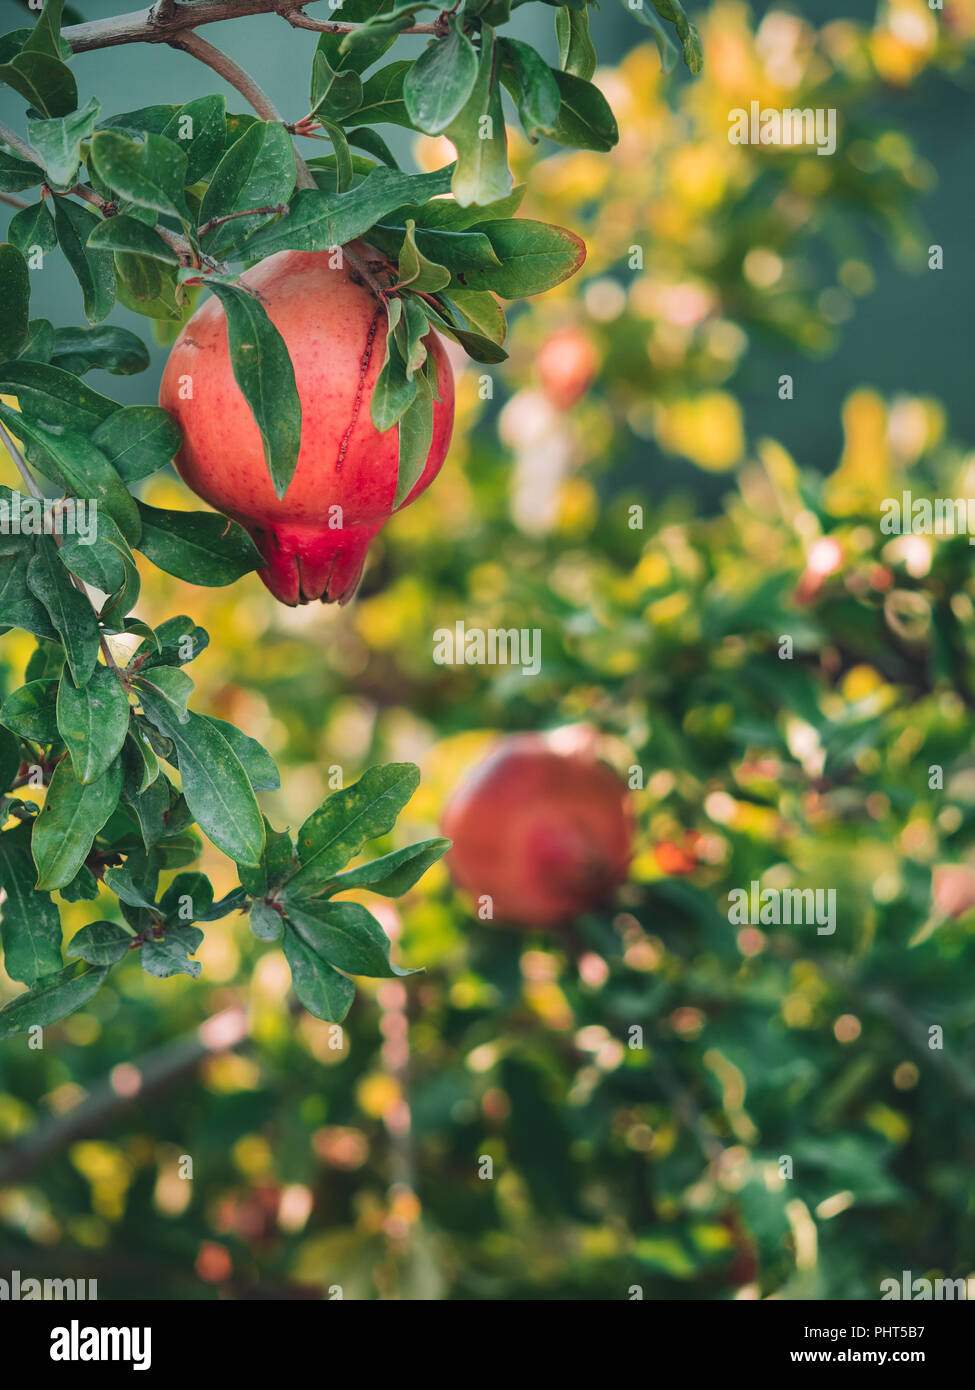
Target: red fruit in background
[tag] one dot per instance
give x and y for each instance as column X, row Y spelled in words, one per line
column 675, row 859
column 953, row 889
column 546, row 834
column 567, row 363
column 335, row 331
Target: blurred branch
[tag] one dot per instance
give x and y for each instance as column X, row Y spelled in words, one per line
column 125, row 1084
column 13, row 200
column 160, row 22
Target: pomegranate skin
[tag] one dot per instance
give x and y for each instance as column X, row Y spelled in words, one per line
column 335, row 331
column 546, row 834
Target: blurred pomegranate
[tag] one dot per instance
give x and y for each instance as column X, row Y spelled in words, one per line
column 567, row 364
column 541, row 826
column 953, row 889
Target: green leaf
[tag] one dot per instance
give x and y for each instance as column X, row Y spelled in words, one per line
column 373, row 143
column 673, row 11
column 277, row 861
column 14, row 299
column 444, row 214
column 31, row 923
column 415, row 270
column 179, row 639
column 215, row 784
column 324, row 992
column 109, row 348
column 33, row 228
column 127, row 234
column 482, row 312
column 262, row 772
column 348, row 818
column 73, row 814
column 93, row 722
column 138, row 440
column 481, row 174
column 147, row 120
column 170, row 955
column 100, row 943
column 93, row 269
column 10, row 759
column 585, row 120
column 148, row 171
column 532, row 84
column 263, row 371
column 382, row 97
column 478, row 345
column 147, row 286
column 187, row 899
column 266, row 924
column 200, row 547
column 171, row 682
column 59, row 141
column 438, row 85
column 141, row 764
column 84, row 472
column 18, row 174
column 395, row 388
column 393, row 874
column 334, row 95
column 199, row 128
column 318, row 221
column 121, row 883
column 343, row 155
column 577, row 53
column 45, row 37
column 40, row 340
column 53, row 999
column 18, row 605
column 54, row 397
column 150, row 806
column 344, row 934
column 42, row 80
column 534, row 257
column 257, row 171
column 106, row 562
column 368, row 50
column 70, row 612
column 415, row 436
column 30, row 711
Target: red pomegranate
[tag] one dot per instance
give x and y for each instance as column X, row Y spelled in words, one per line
column 567, row 364
column 546, row 834
column 314, row 539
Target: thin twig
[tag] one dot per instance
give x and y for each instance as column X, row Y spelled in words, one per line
column 155, row 25
column 20, row 146
column 20, row 463
column 244, row 212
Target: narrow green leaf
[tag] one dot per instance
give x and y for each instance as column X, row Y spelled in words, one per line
column 93, row 722
column 200, row 547
column 534, row 256
column 54, row 397
column 53, row 999
column 347, row 819
column 392, row 874
column 415, row 436
column 93, row 269
column 481, row 174
column 577, row 53
column 109, row 348
column 72, row 816
column 345, row 935
column 257, row 171
column 70, row 612
column 59, row 141
column 263, row 371
column 438, row 85
column 30, row 711
column 215, row 784
column 31, row 923
column 533, row 86
column 148, row 171
column 100, row 943
column 261, row 769
column 14, row 299
column 324, row 992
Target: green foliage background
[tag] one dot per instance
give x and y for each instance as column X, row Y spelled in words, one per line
column 614, row 1167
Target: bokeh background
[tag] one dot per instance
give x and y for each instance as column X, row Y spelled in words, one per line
column 631, row 483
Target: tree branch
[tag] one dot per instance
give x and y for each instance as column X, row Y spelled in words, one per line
column 244, row 212
column 13, row 200
column 20, row 147
column 234, row 74
column 161, row 22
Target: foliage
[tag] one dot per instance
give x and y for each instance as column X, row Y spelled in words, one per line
column 353, row 1157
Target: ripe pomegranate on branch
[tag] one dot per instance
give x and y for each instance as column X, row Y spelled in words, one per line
column 307, row 399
